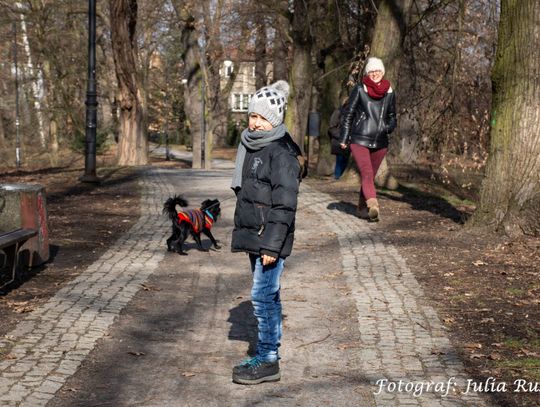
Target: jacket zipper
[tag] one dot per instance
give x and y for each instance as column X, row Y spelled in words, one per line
column 380, row 121
column 261, row 229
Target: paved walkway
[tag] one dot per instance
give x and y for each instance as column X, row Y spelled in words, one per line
column 357, row 330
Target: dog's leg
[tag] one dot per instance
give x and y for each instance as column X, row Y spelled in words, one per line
column 211, row 237
column 197, row 238
column 172, row 239
column 182, row 235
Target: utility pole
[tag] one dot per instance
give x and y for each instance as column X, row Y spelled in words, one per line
column 91, row 100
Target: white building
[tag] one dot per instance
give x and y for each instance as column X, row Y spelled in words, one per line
column 243, row 87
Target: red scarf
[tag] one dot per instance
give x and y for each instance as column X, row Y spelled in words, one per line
column 376, row 90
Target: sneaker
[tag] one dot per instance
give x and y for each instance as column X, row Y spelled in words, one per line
column 255, row 371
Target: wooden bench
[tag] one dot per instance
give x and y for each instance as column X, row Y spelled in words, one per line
column 10, row 245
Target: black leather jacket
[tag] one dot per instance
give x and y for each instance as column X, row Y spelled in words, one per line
column 368, row 121
column 266, row 203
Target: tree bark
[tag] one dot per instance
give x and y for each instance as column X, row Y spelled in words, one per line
column 301, row 73
column 280, row 50
column 2, row 131
column 510, row 195
column 133, row 143
column 37, row 85
column 260, row 56
column 193, row 76
column 387, row 44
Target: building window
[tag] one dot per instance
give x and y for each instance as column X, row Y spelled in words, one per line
column 240, row 102
column 246, row 99
column 229, row 68
column 237, row 100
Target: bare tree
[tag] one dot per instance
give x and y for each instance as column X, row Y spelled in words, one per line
column 261, row 42
column 444, row 91
column 387, row 44
column 510, row 196
column 301, row 76
column 133, row 143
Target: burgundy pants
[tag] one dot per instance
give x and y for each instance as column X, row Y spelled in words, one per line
column 368, row 162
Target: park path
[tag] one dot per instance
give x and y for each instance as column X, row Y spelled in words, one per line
column 145, row 327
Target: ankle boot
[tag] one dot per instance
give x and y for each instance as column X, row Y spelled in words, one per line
column 373, row 209
column 362, row 209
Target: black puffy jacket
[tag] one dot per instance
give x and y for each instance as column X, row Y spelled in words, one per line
column 368, row 121
column 266, row 203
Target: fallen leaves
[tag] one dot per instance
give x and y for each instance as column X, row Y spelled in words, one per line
column 137, row 353
column 495, row 356
column 349, row 345
column 473, row 345
column 21, row 307
column 188, row 374
column 148, row 287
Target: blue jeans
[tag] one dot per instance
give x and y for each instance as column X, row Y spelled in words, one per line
column 341, row 165
column 267, row 306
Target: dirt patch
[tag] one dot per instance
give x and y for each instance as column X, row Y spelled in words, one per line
column 485, row 288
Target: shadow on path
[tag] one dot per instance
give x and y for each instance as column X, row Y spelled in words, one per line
column 418, row 201
column 424, row 201
column 243, row 325
column 342, row 206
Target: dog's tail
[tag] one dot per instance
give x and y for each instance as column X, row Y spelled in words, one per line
column 169, row 207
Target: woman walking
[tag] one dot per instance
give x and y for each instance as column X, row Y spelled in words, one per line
column 369, row 119
column 266, row 181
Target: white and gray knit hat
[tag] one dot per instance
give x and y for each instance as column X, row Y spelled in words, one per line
column 374, row 64
column 270, row 102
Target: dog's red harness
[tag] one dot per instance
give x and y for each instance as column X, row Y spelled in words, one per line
column 197, row 219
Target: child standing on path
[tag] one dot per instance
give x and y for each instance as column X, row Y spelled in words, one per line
column 369, row 119
column 266, row 181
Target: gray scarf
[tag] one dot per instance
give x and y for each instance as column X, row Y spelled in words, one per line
column 254, row 140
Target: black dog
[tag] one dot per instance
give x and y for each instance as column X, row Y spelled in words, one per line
column 192, row 221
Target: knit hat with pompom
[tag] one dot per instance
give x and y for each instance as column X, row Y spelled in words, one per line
column 270, row 102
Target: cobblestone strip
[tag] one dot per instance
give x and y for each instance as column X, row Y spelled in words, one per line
column 401, row 336
column 48, row 346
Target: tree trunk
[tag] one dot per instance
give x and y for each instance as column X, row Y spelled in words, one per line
column 301, row 73
column 2, row 131
column 280, row 50
column 510, row 195
column 37, row 84
column 193, row 89
column 387, row 44
column 389, row 35
column 133, row 144
column 260, row 56
column 330, row 100
column 301, row 83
